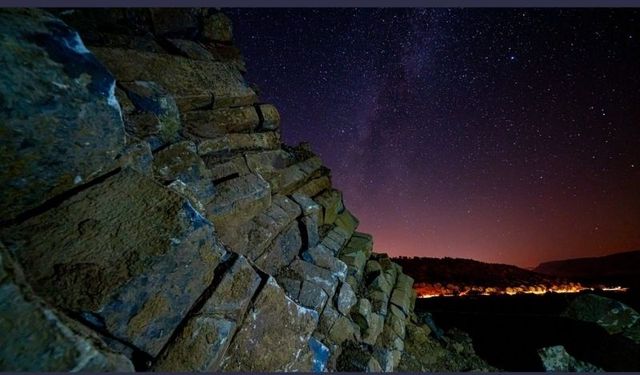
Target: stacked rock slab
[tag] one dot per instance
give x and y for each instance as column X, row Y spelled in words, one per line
column 159, row 220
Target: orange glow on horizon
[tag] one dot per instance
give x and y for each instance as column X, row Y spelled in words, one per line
column 425, row 290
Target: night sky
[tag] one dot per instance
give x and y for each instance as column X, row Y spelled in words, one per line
column 503, row 135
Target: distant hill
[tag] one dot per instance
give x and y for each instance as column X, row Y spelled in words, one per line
column 618, row 268
column 460, row 271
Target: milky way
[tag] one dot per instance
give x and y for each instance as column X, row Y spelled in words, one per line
column 504, row 135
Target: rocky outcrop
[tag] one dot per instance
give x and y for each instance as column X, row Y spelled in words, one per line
column 556, row 359
column 157, row 219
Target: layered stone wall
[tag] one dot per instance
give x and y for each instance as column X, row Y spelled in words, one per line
column 153, row 220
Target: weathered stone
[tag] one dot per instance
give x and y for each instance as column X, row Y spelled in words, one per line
column 323, row 257
column 180, row 161
column 374, row 329
column 314, row 186
column 111, row 254
column 293, row 177
column 256, row 235
column 270, row 117
column 282, row 250
column 291, row 286
column 200, row 344
column 138, row 157
column 336, row 239
column 193, row 83
column 180, row 164
column 345, row 299
column 308, row 205
column 397, row 321
column 238, row 200
column 219, row 122
column 347, row 221
column 379, row 301
column 275, row 331
column 361, row 313
column 217, row 27
column 556, row 359
column 342, row 330
column 36, row 337
column 182, row 22
column 372, row 268
column 311, row 235
column 316, row 275
column 231, row 143
column 331, row 202
column 370, row 323
column 401, row 299
column 373, row 365
column 156, row 112
column 384, row 357
column 61, row 124
column 310, row 221
column 404, row 282
column 361, row 241
column 236, row 166
column 190, row 49
column 327, row 319
column 268, row 162
column 353, row 358
column 312, row 296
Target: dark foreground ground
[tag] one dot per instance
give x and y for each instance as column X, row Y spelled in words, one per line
column 507, row 331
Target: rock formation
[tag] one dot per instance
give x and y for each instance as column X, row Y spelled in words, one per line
column 151, row 218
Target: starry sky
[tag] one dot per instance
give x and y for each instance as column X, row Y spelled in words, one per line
column 502, row 135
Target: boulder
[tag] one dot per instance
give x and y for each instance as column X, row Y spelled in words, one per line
column 38, row 338
column 111, row 255
column 204, row 338
column 615, row 317
column 61, row 124
column 194, row 84
column 273, row 335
